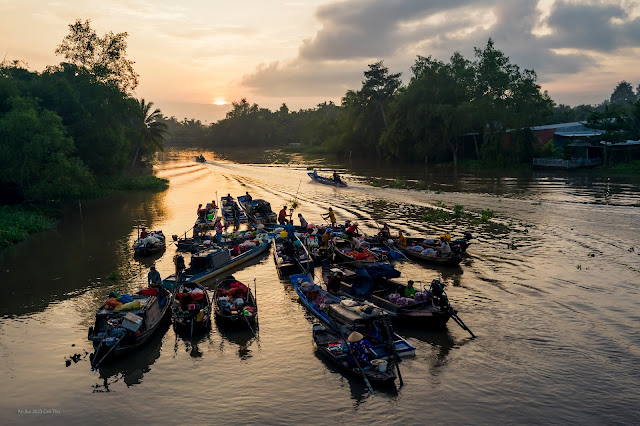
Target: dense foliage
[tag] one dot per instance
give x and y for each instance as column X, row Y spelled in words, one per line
column 67, row 129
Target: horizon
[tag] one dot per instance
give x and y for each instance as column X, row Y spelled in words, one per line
column 318, row 50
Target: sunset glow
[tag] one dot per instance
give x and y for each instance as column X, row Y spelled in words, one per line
column 220, row 101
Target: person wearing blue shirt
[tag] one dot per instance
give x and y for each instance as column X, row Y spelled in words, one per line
column 291, row 230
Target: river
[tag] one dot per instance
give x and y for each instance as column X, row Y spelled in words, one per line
column 550, row 286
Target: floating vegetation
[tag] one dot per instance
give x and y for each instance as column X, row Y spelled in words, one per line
column 438, row 191
column 458, row 210
column 113, row 276
column 579, row 267
column 591, row 255
column 486, row 215
column 397, row 184
column 376, row 182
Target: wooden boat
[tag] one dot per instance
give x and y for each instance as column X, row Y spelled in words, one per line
column 458, row 245
column 231, row 213
column 236, row 315
column 118, row 332
column 325, row 180
column 375, row 284
column 208, row 220
column 291, row 256
column 209, row 263
column 330, row 346
column 195, row 317
column 200, row 159
column 334, row 311
column 343, row 254
column 258, row 211
column 153, row 243
column 412, row 250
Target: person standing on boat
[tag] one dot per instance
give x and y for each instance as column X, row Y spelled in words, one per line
column 143, row 233
column 196, row 231
column 315, row 174
column 331, row 216
column 352, row 230
column 291, row 230
column 336, row 177
column 303, row 222
column 385, row 232
column 219, row 231
column 236, row 214
column 282, row 216
column 333, row 285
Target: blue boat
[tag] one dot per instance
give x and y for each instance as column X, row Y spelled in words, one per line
column 326, row 181
column 231, row 212
column 335, row 313
column 209, row 263
column 258, row 211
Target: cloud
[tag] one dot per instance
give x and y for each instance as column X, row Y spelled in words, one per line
column 557, row 39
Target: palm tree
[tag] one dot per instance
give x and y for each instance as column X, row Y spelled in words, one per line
column 149, row 128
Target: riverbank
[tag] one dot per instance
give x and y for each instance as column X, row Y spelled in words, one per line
column 17, row 222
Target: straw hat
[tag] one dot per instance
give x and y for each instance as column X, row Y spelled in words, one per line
column 355, row 337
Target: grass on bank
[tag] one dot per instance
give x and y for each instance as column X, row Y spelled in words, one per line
column 17, row 222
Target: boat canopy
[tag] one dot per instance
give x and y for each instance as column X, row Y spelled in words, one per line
column 363, row 283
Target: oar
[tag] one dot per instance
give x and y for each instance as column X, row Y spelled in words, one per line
column 344, row 339
column 458, row 321
column 393, row 351
column 248, row 324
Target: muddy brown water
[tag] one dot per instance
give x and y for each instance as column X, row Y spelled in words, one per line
column 550, row 287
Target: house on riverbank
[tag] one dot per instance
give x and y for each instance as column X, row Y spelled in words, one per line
column 572, row 143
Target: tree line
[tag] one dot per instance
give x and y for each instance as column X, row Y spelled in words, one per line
column 481, row 108
column 76, row 125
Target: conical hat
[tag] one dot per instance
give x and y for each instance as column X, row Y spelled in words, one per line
column 355, row 337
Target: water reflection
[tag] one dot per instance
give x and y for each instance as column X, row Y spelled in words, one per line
column 132, row 368
column 240, row 339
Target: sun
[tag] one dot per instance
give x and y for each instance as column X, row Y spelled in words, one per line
column 220, row 100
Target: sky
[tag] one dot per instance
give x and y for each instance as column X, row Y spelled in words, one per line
column 196, row 56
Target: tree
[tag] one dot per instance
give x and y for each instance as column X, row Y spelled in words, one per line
column 150, row 129
column 623, row 94
column 379, row 86
column 105, row 57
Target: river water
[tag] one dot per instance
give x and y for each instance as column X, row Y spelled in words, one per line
column 550, row 287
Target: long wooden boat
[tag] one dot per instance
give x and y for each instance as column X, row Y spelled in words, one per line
column 458, row 246
column 258, row 211
column 330, row 345
column 375, row 283
column 228, row 311
column 209, row 263
column 194, row 318
column 231, row 213
column 291, row 256
column 326, row 181
column 118, row 332
column 413, row 250
column 333, row 311
column 153, row 243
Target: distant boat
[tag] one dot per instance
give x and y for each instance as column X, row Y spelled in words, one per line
column 200, row 159
column 327, row 181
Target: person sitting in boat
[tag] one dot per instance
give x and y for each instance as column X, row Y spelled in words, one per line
column 409, row 291
column 401, row 239
column 282, row 216
column 358, row 349
column 291, row 230
column 212, row 207
column 333, row 285
column 356, row 245
column 315, row 174
column 385, row 232
column 247, row 196
column 303, row 222
column 445, row 248
column 336, row 177
column 143, row 233
column 154, row 281
column 186, row 299
column 352, row 230
column 331, row 216
column 196, row 231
